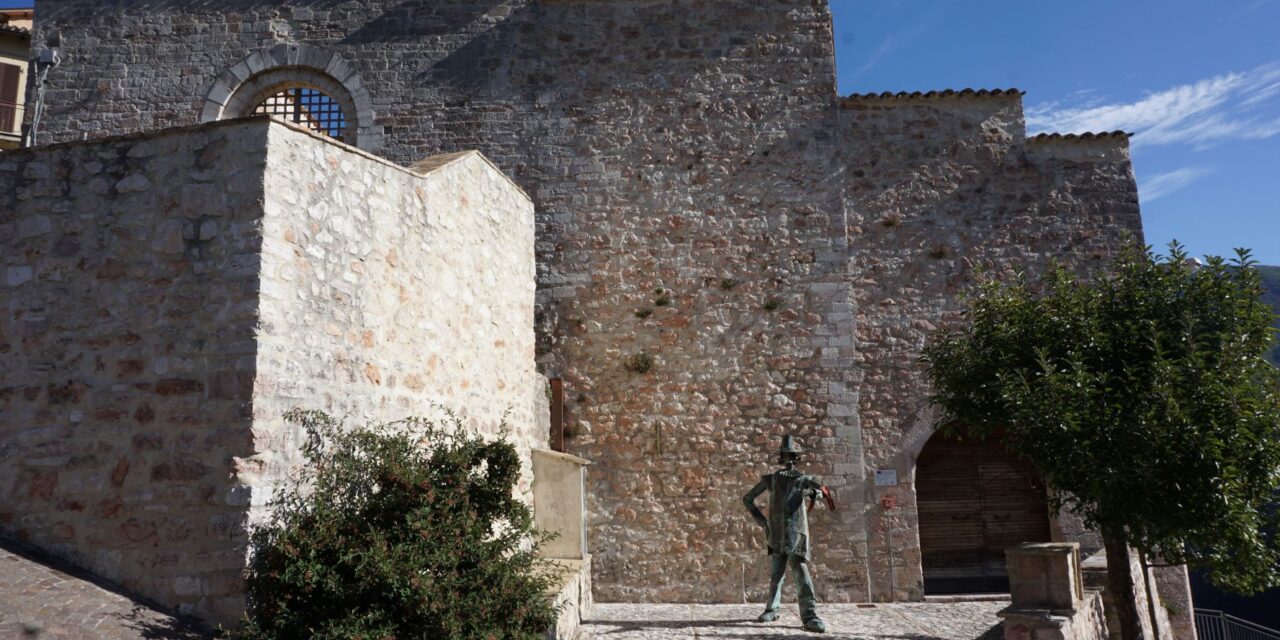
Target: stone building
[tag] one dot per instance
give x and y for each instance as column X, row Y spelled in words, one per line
column 726, row 250
column 15, row 42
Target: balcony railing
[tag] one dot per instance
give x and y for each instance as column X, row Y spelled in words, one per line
column 1216, row 625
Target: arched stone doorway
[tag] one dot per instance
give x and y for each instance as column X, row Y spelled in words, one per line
column 974, row 500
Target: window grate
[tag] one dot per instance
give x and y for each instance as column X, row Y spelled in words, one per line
column 310, row 108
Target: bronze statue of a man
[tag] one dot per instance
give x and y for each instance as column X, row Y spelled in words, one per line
column 788, row 527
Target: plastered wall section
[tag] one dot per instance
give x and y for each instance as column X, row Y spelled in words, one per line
column 936, row 189
column 127, row 354
column 386, row 294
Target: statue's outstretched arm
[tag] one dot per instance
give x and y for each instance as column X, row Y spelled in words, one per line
column 750, row 501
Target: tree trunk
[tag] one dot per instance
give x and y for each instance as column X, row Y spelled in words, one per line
column 1120, row 582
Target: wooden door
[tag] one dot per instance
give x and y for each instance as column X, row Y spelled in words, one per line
column 974, row 501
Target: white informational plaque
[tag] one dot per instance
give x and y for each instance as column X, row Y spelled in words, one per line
column 886, row 477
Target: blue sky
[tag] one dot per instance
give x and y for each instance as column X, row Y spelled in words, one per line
column 1197, row 81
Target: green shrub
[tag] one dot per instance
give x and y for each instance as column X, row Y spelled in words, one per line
column 403, row 530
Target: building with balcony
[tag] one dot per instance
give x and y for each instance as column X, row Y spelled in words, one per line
column 15, row 42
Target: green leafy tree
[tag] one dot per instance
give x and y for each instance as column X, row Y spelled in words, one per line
column 1143, row 398
column 403, row 530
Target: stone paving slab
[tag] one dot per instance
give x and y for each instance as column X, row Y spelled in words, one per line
column 904, row 621
column 41, row 600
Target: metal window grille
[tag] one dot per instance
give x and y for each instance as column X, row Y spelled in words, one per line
column 308, row 107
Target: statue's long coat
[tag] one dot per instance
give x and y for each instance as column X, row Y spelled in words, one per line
column 787, row 523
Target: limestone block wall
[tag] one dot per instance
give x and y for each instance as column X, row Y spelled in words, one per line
column 386, row 291
column 127, row 354
column 677, row 151
column 938, row 186
column 689, row 214
column 702, row 201
column 1174, row 588
column 167, row 296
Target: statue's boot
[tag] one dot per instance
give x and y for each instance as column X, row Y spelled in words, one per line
column 768, row 616
column 815, row 625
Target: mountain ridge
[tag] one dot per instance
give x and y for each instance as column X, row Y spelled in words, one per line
column 1271, row 294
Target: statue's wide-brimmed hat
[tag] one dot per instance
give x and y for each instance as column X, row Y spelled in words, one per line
column 789, row 446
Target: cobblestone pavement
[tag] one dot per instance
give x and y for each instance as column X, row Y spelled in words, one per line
column 906, row 621
column 40, row 601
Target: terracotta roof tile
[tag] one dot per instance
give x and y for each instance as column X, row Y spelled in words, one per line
column 8, row 28
column 945, row 93
column 1046, row 137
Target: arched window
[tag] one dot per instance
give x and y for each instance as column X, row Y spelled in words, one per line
column 311, row 108
column 301, row 83
column 300, row 95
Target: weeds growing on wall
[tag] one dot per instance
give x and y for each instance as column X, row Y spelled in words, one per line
column 641, row 363
column 400, row 530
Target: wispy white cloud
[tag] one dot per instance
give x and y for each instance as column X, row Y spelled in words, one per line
column 1244, row 105
column 1161, row 185
column 1251, row 7
column 887, row 45
column 892, row 42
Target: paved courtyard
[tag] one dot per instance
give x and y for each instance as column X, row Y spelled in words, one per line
column 42, row 602
column 908, row 621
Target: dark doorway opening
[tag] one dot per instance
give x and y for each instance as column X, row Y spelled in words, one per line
column 975, row 500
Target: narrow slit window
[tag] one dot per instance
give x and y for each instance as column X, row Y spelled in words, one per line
column 308, row 107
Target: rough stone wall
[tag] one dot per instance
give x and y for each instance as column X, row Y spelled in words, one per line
column 127, row 354
column 937, row 187
column 168, row 296
column 385, row 292
column 1167, row 623
column 1087, row 622
column 689, row 216
column 1174, row 588
column 691, row 171
column 677, row 151
column 680, row 155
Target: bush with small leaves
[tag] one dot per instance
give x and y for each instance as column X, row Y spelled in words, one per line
column 401, row 530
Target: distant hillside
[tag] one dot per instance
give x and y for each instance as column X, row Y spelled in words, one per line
column 1271, row 280
column 1261, row 608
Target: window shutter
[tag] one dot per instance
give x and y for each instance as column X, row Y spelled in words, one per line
column 9, row 96
column 9, row 83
